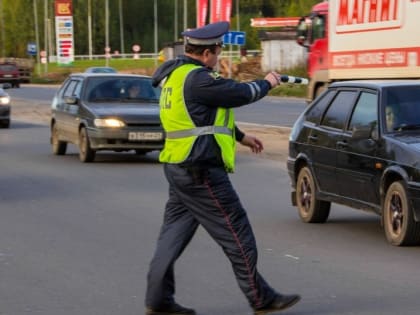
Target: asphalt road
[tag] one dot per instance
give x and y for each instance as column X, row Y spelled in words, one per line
column 77, row 239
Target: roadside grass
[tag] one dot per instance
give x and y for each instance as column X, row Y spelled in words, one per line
column 57, row 74
column 119, row 64
column 290, row 89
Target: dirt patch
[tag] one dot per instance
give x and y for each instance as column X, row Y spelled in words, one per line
column 275, row 139
column 33, row 111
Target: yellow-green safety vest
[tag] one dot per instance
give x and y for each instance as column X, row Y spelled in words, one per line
column 181, row 132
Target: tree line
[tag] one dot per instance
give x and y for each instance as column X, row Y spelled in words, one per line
column 24, row 21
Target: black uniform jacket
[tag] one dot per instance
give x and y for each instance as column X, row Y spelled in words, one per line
column 204, row 91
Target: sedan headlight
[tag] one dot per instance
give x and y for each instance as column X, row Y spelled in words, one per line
column 4, row 100
column 109, row 122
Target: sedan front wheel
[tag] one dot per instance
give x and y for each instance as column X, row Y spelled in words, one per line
column 86, row 154
column 400, row 227
column 58, row 147
column 311, row 210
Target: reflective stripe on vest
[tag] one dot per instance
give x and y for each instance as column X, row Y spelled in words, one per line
column 181, row 131
column 198, row 131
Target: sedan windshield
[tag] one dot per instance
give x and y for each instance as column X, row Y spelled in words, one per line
column 113, row 89
column 402, row 108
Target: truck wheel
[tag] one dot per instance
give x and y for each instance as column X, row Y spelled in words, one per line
column 400, row 227
column 86, row 154
column 310, row 209
column 58, row 147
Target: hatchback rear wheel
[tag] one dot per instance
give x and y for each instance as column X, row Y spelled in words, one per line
column 400, row 227
column 86, row 154
column 311, row 210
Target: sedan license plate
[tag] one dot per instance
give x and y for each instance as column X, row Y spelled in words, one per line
column 137, row 136
column 7, row 76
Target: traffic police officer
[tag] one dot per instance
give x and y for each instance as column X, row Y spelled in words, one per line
column 196, row 107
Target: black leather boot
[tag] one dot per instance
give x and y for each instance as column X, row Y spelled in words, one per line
column 172, row 309
column 280, row 302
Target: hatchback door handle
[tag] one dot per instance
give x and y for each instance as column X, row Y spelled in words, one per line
column 313, row 138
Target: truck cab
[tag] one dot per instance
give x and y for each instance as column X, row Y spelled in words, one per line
column 360, row 40
column 312, row 33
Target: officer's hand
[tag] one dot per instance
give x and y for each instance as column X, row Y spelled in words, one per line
column 274, row 78
column 252, row 142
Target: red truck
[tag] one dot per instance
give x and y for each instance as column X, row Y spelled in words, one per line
column 360, row 39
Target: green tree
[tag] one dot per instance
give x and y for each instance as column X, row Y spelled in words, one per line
column 138, row 24
column 19, row 27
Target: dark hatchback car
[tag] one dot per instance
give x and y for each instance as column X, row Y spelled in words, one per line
column 106, row 112
column 9, row 73
column 358, row 144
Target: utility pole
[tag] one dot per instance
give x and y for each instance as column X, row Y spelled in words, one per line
column 185, row 14
column 38, row 65
column 121, row 27
column 156, row 32
column 107, row 48
column 237, row 16
column 90, row 29
column 46, row 35
column 176, row 21
column 50, row 39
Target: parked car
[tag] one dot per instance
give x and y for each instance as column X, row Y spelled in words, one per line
column 97, row 112
column 101, row 70
column 4, row 107
column 358, row 144
column 9, row 73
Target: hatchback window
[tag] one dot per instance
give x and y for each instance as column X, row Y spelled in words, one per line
column 314, row 113
column 71, row 88
column 337, row 113
column 127, row 89
column 402, row 108
column 365, row 113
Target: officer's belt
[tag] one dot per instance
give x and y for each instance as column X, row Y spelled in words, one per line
column 198, row 131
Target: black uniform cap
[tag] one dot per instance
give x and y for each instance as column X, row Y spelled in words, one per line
column 210, row 34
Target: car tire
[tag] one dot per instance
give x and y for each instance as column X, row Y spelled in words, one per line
column 140, row 152
column 5, row 124
column 311, row 210
column 58, row 147
column 86, row 154
column 400, row 227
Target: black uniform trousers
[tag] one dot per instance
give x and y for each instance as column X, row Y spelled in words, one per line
column 206, row 197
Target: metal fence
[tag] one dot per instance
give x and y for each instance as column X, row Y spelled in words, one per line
column 226, row 53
